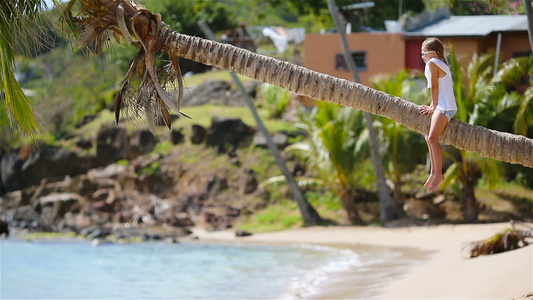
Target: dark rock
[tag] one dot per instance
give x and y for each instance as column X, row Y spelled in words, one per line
column 84, row 144
column 48, row 161
column 111, row 144
column 219, row 92
column 198, row 134
column 22, row 215
column 212, row 221
column 248, row 182
column 242, row 233
column 151, row 183
column 4, row 228
column 83, row 186
column 103, row 207
column 176, row 136
column 54, row 206
column 85, row 120
column 2, row 190
column 181, row 220
column 210, row 91
column 225, row 131
column 232, row 212
column 141, row 142
column 11, row 166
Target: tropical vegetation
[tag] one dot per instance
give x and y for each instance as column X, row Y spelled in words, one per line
column 489, row 99
column 336, row 149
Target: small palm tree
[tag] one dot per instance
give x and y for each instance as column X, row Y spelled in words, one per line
column 484, row 101
column 335, row 150
column 401, row 146
column 275, row 99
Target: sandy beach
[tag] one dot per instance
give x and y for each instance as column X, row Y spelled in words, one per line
column 442, row 274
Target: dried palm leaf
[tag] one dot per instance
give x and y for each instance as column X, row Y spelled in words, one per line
column 509, row 239
column 136, row 25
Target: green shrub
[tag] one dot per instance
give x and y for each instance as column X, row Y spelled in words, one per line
column 275, row 99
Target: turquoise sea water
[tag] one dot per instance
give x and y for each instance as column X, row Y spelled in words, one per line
column 78, row 270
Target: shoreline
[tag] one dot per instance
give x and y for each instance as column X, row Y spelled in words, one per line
column 442, row 274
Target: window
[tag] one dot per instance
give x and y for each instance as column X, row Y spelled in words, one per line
column 359, row 58
column 521, row 54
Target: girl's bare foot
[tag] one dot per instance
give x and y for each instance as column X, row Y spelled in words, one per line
column 437, row 180
column 429, row 181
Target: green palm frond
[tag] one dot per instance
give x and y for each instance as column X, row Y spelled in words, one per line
column 524, row 117
column 490, row 168
column 18, row 106
column 19, row 31
column 451, row 175
column 479, row 69
column 513, row 69
column 459, row 89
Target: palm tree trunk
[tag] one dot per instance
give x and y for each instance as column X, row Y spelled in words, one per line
column 529, row 13
column 489, row 143
column 102, row 15
column 348, row 203
column 471, row 209
column 387, row 212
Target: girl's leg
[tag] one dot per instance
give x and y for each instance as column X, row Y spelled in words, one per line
column 432, row 162
column 438, row 123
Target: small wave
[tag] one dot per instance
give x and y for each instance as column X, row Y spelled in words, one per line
column 341, row 260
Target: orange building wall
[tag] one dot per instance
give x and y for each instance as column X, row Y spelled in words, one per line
column 511, row 43
column 464, row 48
column 385, row 53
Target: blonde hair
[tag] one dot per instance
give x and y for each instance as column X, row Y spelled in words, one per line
column 434, row 44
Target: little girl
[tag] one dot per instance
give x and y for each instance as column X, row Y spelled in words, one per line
column 442, row 108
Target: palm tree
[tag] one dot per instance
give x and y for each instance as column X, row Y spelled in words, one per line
column 388, row 211
column 135, row 24
column 483, row 101
column 335, row 151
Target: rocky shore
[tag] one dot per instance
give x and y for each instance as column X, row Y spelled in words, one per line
column 126, row 190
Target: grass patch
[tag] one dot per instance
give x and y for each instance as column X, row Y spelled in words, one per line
column 50, row 236
column 280, row 216
column 203, row 114
column 509, row 198
column 328, row 205
column 163, row 147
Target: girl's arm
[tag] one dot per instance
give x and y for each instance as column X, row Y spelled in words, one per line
column 428, row 110
column 434, row 85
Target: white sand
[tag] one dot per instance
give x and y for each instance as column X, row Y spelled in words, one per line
column 443, row 274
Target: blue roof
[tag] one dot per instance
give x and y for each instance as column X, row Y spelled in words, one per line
column 471, row 26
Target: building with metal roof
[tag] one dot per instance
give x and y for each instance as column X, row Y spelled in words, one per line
column 390, row 52
column 506, row 35
column 471, row 26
